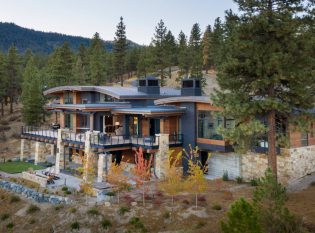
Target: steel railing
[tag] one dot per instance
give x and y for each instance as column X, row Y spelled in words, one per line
column 45, row 132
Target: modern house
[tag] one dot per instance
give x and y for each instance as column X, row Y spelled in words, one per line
column 115, row 121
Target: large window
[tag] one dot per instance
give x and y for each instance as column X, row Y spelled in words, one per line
column 134, row 125
column 69, row 121
column 208, row 124
column 68, row 98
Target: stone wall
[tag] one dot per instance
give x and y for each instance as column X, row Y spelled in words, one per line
column 32, row 194
column 292, row 164
column 42, row 181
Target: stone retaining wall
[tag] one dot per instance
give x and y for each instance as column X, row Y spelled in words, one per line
column 32, row 194
column 292, row 164
column 42, row 181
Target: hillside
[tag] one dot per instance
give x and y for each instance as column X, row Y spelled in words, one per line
column 41, row 42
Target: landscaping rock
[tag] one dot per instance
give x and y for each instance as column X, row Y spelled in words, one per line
column 134, row 203
column 32, row 194
column 107, row 204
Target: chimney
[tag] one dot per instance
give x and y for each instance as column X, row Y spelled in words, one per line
column 149, row 85
column 191, row 87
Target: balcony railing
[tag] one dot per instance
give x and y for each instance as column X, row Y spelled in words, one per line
column 101, row 140
column 45, row 132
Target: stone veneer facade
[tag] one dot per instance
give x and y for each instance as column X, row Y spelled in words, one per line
column 292, row 164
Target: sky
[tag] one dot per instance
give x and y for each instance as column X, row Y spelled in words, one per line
column 85, row 17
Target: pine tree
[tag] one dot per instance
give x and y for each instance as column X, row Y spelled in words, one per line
column 145, row 62
column 170, row 52
column 32, row 97
column 79, row 72
column 207, row 61
column 267, row 67
column 183, row 55
column 3, row 82
column 60, row 66
column 13, row 73
column 97, row 61
column 216, row 40
column 196, row 53
column 158, row 43
column 120, row 48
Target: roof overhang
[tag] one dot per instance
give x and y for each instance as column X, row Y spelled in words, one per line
column 151, row 111
column 184, row 99
column 89, row 107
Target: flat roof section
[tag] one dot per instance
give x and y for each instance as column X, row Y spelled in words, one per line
column 151, row 111
column 183, row 99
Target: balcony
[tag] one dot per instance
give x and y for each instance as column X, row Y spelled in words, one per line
column 99, row 140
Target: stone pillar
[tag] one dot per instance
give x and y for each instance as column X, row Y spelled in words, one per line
column 91, row 121
column 37, row 144
column 52, row 150
column 22, row 149
column 60, row 151
column 87, row 154
column 100, row 167
column 161, row 157
column 62, row 120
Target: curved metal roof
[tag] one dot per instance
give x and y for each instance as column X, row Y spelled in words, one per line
column 117, row 92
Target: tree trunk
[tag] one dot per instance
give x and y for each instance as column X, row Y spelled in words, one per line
column 122, row 80
column 143, row 198
column 170, row 72
column 196, row 200
column 272, row 153
column 2, row 108
column 11, row 104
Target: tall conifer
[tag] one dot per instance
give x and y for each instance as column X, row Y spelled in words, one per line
column 267, row 68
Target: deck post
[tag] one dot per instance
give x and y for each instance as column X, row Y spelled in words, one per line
column 60, row 150
column 52, row 150
column 87, row 154
column 22, row 149
column 161, row 159
column 36, row 153
column 100, row 167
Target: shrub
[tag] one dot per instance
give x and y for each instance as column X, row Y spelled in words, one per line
column 10, row 225
column 186, row 202
column 239, row 179
column 32, row 221
column 313, row 183
column 106, row 223
column 269, row 200
column 200, row 224
column 73, row 210
column 111, row 194
column 4, row 216
column 122, row 210
column 166, row 215
column 68, row 192
column 64, row 188
column 254, row 182
column 58, row 207
column 217, row 207
column 242, row 217
column 93, row 212
column 2, row 197
column 4, row 127
column 137, row 224
column 32, row 209
column 202, row 199
column 4, row 122
column 75, row 226
column 14, row 118
column 15, row 199
column 225, row 176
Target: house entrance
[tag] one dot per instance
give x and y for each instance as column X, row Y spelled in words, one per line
column 154, row 126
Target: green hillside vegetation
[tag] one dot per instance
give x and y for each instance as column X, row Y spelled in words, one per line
column 41, row 42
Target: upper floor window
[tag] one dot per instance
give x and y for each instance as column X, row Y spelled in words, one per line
column 68, row 98
column 208, row 124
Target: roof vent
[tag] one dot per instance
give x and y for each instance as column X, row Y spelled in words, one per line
column 149, row 85
column 191, row 87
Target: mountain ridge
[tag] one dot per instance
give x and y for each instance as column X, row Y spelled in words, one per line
column 42, row 42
